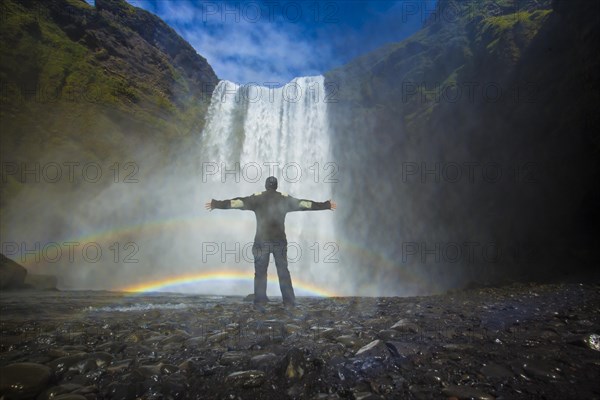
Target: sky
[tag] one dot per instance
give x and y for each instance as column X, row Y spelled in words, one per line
column 274, row 41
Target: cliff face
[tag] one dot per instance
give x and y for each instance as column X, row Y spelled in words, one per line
column 90, row 84
column 480, row 128
column 113, row 56
column 168, row 46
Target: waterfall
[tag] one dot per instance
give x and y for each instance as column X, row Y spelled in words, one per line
column 253, row 132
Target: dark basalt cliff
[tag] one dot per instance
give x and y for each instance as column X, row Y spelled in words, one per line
column 481, row 128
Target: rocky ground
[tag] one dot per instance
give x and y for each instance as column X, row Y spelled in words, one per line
column 514, row 342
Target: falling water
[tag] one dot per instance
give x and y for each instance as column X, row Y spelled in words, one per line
column 253, row 132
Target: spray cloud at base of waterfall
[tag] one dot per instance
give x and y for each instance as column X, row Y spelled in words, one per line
column 143, row 219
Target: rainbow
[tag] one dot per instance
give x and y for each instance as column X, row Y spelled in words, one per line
column 197, row 222
column 208, row 276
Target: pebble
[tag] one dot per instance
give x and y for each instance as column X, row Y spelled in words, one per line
column 541, row 370
column 350, row 341
column 404, row 325
column 58, row 390
column 233, row 357
column 325, row 349
column 195, row 341
column 592, row 341
column 218, row 337
column 292, row 328
column 493, row 370
column 390, row 334
column 295, row 364
column 70, row 396
column 466, row 392
column 263, row 360
column 246, row 379
column 81, row 362
column 375, row 348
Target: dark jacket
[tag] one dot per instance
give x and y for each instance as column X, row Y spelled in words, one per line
column 270, row 208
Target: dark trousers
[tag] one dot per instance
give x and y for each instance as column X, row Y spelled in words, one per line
column 262, row 252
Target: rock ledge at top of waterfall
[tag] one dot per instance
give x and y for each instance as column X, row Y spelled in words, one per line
column 252, row 123
column 304, row 88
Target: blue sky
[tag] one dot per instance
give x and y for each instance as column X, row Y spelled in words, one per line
column 273, row 41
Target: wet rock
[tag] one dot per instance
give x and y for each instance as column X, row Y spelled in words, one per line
column 366, row 396
column 23, row 380
column 591, row 341
column 154, row 340
column 292, row 328
column 195, row 341
column 132, row 338
column 168, row 369
column 405, row 325
column 332, row 350
column 188, row 364
column 148, row 371
column 172, row 347
column 58, row 390
column 402, row 349
column 466, row 392
column 263, row 360
column 495, row 371
column 390, row 334
column 325, row 396
column 233, row 357
column 295, row 364
column 324, row 332
column 492, row 370
column 176, row 338
column 218, row 337
column 124, row 391
column 87, row 390
column 118, row 367
column 423, row 393
column 81, row 362
column 533, row 360
column 56, row 353
column 175, row 386
column 70, row 396
column 541, row 370
column 350, row 341
column 376, row 348
column 246, row 379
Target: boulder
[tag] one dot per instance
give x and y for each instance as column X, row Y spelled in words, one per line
column 23, row 380
column 41, row 282
column 12, row 275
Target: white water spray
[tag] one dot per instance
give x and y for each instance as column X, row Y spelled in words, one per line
column 253, row 132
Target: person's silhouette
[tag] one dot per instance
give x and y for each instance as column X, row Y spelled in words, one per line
column 270, row 208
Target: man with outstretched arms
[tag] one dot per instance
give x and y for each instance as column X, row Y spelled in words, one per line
column 270, row 208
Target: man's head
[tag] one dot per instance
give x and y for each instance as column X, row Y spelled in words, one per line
column 271, row 183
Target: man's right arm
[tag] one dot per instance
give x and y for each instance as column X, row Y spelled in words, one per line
column 238, row 203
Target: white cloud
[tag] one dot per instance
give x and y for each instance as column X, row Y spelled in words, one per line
column 268, row 50
column 258, row 53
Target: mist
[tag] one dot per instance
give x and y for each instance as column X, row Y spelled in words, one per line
column 452, row 164
column 117, row 224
